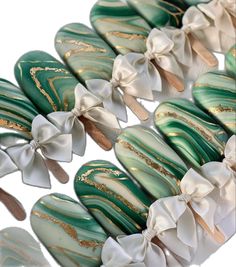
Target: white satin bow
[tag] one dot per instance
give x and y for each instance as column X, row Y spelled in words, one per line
column 131, row 74
column 173, row 218
column 223, row 176
column 220, row 11
column 6, row 164
column 89, row 106
column 193, row 20
column 52, row 144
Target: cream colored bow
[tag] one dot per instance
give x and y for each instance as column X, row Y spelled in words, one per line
column 223, row 176
column 219, row 12
column 173, row 218
column 133, row 75
column 52, row 144
column 113, row 255
column 88, row 106
column 6, row 164
column 193, row 20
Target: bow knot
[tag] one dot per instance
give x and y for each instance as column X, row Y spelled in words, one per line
column 53, row 145
column 149, row 234
column 76, row 112
column 114, row 82
column 185, row 197
column 89, row 106
column 34, row 144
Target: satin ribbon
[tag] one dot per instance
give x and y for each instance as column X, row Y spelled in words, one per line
column 7, row 166
column 133, row 75
column 88, row 106
column 52, row 144
column 173, row 218
column 220, row 11
column 193, row 21
column 223, row 176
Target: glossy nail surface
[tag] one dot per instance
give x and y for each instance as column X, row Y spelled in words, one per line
column 193, row 134
column 230, row 61
column 86, row 54
column 150, row 161
column 117, row 203
column 68, row 231
column 215, row 93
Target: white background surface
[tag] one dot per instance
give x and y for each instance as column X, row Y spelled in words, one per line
column 31, row 25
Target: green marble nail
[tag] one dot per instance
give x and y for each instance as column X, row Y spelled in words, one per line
column 150, row 161
column 120, row 26
column 159, row 13
column 84, row 52
column 230, row 61
column 19, row 249
column 46, row 81
column 16, row 110
column 68, row 231
column 117, row 203
column 196, row 2
column 193, row 134
column 215, row 93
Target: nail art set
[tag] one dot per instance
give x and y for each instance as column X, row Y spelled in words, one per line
column 173, row 203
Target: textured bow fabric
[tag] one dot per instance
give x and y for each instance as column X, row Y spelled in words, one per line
column 220, row 11
column 193, row 20
column 6, row 164
column 173, row 219
column 52, row 144
column 223, row 176
column 88, row 106
column 113, row 255
column 131, row 74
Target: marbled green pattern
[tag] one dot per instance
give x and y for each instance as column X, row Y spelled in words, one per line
column 215, row 93
column 159, row 13
column 86, row 54
column 194, row 135
column 16, row 110
column 68, row 231
column 230, row 61
column 19, row 249
column 195, row 2
column 120, row 26
column 117, row 203
column 46, row 81
column 150, row 161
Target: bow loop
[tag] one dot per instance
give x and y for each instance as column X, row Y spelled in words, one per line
column 194, row 20
column 7, row 166
column 52, row 144
column 159, row 48
column 89, row 106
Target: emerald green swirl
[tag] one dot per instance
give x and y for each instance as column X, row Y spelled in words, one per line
column 230, row 61
column 193, row 134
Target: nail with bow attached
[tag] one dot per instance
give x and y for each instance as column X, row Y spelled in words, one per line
column 132, row 37
column 51, row 87
column 87, row 111
column 185, row 40
column 92, row 61
column 13, row 205
column 53, row 146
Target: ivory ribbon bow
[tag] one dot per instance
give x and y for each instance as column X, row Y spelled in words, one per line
column 223, row 176
column 173, row 219
column 133, row 75
column 89, row 106
column 52, row 144
column 6, row 164
column 220, row 12
column 193, row 21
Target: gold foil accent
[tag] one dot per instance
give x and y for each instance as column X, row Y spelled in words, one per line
column 69, row 230
column 12, row 125
column 128, row 36
column 220, row 108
